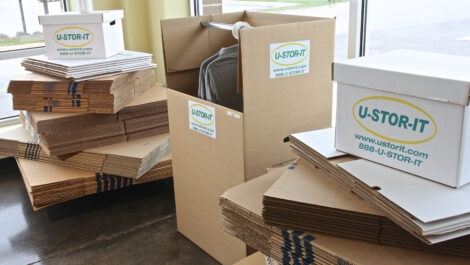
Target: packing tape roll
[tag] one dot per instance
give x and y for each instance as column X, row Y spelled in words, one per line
column 237, row 27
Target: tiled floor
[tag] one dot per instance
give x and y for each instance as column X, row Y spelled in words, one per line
column 132, row 226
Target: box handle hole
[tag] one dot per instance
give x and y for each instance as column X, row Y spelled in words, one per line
column 375, row 188
column 112, row 23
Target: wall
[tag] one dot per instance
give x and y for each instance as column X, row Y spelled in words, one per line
column 141, row 24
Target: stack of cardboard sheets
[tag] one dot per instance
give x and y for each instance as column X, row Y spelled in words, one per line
column 307, row 199
column 245, row 202
column 39, row 92
column 131, row 159
column 97, row 125
column 429, row 211
column 85, row 69
column 64, row 133
column 49, row 184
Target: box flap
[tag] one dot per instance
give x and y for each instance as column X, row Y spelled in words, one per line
column 322, row 141
column 177, row 33
column 426, row 200
column 75, row 18
column 303, row 184
column 186, row 43
column 426, row 75
column 274, row 108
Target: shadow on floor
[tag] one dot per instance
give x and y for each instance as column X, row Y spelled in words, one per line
column 136, row 225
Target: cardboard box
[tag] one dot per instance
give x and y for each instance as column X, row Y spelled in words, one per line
column 407, row 110
column 214, row 147
column 93, row 35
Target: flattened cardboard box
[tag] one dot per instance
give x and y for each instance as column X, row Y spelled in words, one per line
column 130, row 159
column 215, row 148
column 38, row 92
column 245, row 202
column 430, row 211
column 305, row 198
column 49, row 184
column 407, row 110
column 64, row 133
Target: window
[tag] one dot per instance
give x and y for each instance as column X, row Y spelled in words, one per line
column 19, row 26
column 20, row 36
column 427, row 25
column 320, row 8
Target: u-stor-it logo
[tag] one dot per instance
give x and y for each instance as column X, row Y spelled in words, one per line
column 73, row 37
column 394, row 119
column 202, row 115
column 289, row 54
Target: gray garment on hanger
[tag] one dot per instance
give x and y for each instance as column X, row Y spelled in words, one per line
column 219, row 73
column 202, row 73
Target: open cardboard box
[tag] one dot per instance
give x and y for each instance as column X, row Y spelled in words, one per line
column 214, row 147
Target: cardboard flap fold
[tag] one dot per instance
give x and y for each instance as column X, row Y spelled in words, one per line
column 426, row 200
column 304, row 184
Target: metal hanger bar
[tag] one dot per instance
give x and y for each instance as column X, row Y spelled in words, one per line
column 211, row 24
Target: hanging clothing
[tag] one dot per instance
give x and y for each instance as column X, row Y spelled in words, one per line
column 218, row 79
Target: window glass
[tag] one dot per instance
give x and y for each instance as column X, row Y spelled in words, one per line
column 427, row 25
column 10, row 68
column 316, row 8
column 19, row 26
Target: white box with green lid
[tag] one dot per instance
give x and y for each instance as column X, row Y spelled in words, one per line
column 92, row 35
column 407, row 110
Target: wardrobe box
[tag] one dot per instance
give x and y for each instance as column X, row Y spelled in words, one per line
column 78, row 36
column 214, row 147
column 407, row 110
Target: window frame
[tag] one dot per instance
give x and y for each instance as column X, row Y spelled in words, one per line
column 357, row 28
column 195, row 8
column 25, row 52
column 20, row 53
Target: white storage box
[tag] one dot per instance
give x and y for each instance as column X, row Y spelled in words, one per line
column 408, row 110
column 93, row 35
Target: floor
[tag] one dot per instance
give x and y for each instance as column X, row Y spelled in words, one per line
column 132, row 226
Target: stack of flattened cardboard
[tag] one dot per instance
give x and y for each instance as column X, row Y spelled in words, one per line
column 60, row 133
column 38, row 92
column 49, row 184
column 131, row 159
column 98, row 125
column 428, row 210
column 84, row 69
column 305, row 198
column 296, row 247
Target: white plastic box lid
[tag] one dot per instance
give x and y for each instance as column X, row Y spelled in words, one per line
column 420, row 74
column 77, row 18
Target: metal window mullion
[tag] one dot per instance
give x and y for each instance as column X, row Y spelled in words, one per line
column 195, row 7
column 357, row 28
column 363, row 30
